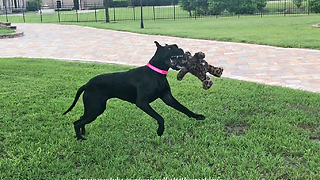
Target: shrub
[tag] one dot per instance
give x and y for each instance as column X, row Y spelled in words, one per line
column 298, row 3
column 241, row 6
column 33, row 5
column 216, row 7
column 315, row 6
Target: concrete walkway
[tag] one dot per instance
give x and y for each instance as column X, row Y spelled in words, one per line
column 295, row 68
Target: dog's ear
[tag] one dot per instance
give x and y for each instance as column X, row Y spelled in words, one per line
column 157, row 44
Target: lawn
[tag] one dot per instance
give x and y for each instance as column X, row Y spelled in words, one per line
column 290, row 31
column 6, row 31
column 252, row 131
column 116, row 14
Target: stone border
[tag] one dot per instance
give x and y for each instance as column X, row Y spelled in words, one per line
column 7, row 25
column 11, row 35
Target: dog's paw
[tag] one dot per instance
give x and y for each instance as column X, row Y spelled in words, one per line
column 81, row 138
column 199, row 117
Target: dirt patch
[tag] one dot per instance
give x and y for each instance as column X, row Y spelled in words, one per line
column 237, row 128
column 314, row 130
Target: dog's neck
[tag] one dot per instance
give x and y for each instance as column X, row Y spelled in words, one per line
column 157, row 69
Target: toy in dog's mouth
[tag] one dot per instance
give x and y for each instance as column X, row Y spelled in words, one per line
column 177, row 61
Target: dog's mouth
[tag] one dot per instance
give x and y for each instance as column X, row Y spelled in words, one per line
column 176, row 57
column 175, row 61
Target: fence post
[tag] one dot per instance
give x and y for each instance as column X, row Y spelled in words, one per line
column 77, row 15
column 134, row 13
column 174, row 11
column 58, row 14
column 95, row 12
column 285, row 8
column 238, row 8
column 23, row 15
column 154, row 13
column 114, row 13
column 260, row 8
column 6, row 13
column 106, row 8
column 141, row 24
column 308, row 2
column 40, row 11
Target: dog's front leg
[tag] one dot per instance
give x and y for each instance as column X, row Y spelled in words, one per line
column 148, row 109
column 171, row 101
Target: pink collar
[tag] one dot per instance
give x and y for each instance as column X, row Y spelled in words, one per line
column 157, row 69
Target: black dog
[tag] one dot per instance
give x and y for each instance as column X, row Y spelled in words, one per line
column 140, row 86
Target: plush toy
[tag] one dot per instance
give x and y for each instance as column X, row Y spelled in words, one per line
column 198, row 67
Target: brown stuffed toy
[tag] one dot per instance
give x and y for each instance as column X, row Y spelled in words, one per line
column 198, row 67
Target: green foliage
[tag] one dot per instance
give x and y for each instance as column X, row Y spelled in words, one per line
column 216, row 7
column 6, row 31
column 298, row 3
column 261, row 4
column 188, row 5
column 251, row 131
column 200, row 7
column 241, row 6
column 315, row 6
column 34, row 5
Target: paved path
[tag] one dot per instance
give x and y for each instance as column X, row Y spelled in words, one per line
column 295, row 68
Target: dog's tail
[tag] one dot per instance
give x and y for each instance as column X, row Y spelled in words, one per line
column 80, row 90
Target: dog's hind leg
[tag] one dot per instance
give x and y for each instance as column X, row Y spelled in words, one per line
column 93, row 107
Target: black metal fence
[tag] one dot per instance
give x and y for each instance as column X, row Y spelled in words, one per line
column 152, row 10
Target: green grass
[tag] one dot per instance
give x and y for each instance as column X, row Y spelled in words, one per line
column 6, row 31
column 290, row 31
column 116, row 14
column 252, row 131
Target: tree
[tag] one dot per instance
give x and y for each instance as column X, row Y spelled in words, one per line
column 34, row 5
column 298, row 3
column 261, row 4
column 188, row 5
column 241, row 6
column 200, row 6
column 315, row 6
column 216, row 7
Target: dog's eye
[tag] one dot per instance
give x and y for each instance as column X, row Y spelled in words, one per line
column 169, row 49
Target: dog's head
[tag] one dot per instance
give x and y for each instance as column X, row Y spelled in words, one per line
column 166, row 56
column 182, row 62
